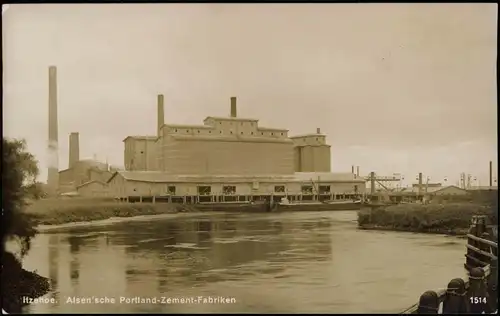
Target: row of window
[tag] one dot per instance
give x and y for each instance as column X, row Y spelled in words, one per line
column 231, row 132
column 231, row 189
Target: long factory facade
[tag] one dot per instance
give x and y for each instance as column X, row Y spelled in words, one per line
column 224, row 159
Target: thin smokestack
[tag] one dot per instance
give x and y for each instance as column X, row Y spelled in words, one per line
column 318, row 130
column 74, row 149
column 233, row 107
column 357, row 171
column 372, row 183
column 419, row 182
column 352, row 169
column 491, row 173
column 53, row 150
column 161, row 113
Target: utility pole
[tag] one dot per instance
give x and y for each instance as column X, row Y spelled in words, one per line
column 491, row 173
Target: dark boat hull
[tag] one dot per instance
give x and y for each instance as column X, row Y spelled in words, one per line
column 234, row 207
column 276, row 207
column 318, row 207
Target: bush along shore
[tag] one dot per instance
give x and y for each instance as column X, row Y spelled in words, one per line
column 62, row 211
column 449, row 219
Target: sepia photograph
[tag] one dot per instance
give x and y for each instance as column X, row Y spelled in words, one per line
column 239, row 158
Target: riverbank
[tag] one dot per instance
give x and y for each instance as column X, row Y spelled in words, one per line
column 449, row 219
column 18, row 283
column 63, row 211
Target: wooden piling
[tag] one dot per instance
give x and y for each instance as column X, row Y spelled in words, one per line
column 478, row 293
column 455, row 300
column 428, row 303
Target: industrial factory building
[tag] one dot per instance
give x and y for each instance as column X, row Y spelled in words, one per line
column 225, row 146
column 224, row 156
column 229, row 156
column 83, row 173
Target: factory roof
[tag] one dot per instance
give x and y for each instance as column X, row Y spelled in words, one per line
column 308, row 135
column 89, row 182
column 327, row 176
column 272, row 129
column 91, row 163
column 162, row 177
column 141, row 137
column 229, row 118
column 189, row 126
column 233, row 138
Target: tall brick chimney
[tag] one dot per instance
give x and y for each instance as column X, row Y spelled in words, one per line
column 53, row 146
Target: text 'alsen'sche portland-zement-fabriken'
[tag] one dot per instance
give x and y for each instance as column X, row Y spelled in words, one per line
column 151, row 300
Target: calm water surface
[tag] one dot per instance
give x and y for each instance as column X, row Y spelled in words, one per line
column 267, row 263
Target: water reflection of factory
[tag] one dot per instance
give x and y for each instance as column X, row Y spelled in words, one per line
column 175, row 255
column 230, row 156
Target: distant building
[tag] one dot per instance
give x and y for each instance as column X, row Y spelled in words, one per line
column 429, row 185
column 483, row 188
column 449, row 190
column 82, row 171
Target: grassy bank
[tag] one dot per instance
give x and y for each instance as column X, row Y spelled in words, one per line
column 61, row 211
column 450, row 219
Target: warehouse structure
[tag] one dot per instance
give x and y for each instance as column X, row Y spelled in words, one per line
column 228, row 188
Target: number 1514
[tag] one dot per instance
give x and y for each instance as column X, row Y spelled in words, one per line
column 478, row 300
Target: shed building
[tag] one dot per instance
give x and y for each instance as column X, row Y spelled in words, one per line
column 94, row 188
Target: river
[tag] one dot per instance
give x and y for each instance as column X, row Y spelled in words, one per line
column 259, row 263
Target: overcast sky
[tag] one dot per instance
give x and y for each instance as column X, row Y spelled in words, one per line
column 397, row 88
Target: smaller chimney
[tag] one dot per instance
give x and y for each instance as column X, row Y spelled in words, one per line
column 352, row 169
column 491, row 173
column 233, row 107
column 74, row 149
column 372, row 183
column 357, row 171
column 318, row 130
column 160, row 114
column 420, row 183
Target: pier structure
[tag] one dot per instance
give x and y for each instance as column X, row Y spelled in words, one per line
column 477, row 292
